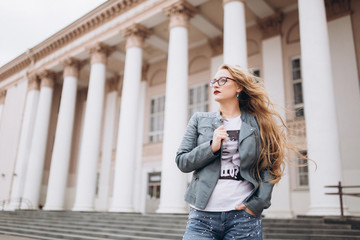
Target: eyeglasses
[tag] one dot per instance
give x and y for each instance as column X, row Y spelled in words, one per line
column 221, row 81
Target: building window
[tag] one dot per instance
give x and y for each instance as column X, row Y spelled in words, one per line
column 154, row 181
column 198, row 99
column 297, row 87
column 157, row 119
column 256, row 72
column 303, row 172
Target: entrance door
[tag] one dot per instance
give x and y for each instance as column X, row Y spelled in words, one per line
column 153, row 192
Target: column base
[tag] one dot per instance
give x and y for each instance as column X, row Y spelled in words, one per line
column 12, row 206
column 26, row 207
column 278, row 214
column 171, row 210
column 82, row 209
column 53, row 208
column 122, row 209
column 326, row 211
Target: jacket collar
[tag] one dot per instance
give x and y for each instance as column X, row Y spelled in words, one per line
column 245, row 117
column 246, row 129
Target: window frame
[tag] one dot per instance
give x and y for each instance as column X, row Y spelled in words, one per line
column 204, row 103
column 297, row 106
column 256, row 69
column 155, row 136
column 300, row 173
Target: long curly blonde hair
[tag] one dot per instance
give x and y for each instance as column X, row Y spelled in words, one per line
column 274, row 140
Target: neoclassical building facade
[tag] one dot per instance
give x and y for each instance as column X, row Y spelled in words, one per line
column 91, row 118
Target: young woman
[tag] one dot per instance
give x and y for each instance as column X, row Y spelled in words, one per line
column 236, row 156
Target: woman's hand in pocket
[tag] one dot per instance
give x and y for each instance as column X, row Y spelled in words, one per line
column 242, row 206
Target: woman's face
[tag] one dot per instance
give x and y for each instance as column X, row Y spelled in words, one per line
column 229, row 90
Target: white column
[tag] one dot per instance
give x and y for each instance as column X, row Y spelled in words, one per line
column 89, row 149
column 62, row 146
column 123, row 193
column 140, row 141
column 319, row 105
column 274, row 84
column 347, row 95
column 2, row 101
column 27, row 130
column 108, row 141
column 173, row 181
column 38, row 143
column 235, row 50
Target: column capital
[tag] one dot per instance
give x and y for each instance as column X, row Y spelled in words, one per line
column 135, row 35
column 99, row 52
column 337, row 8
column 47, row 78
column 113, row 83
column 2, row 96
column 216, row 45
column 271, row 26
column 180, row 13
column 33, row 82
column 227, row 1
column 72, row 67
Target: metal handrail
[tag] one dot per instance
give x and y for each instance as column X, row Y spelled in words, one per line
column 341, row 194
column 16, row 201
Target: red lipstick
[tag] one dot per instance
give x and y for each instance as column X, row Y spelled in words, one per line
column 216, row 92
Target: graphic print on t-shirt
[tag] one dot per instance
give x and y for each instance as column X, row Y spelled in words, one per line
column 230, row 158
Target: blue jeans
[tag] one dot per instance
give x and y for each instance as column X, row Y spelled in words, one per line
column 236, row 224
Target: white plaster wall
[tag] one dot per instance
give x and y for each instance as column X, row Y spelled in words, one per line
column 1, row 108
column 347, row 97
column 10, row 128
column 214, row 66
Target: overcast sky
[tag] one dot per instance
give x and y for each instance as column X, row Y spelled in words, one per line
column 25, row 23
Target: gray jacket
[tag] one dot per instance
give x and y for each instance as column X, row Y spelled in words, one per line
column 195, row 155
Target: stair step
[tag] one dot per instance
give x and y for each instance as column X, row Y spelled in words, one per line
column 7, row 235
column 286, row 236
column 93, row 229
column 50, row 225
column 313, row 231
column 76, row 235
column 152, row 224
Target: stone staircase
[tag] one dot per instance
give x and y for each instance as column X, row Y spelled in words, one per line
column 127, row 226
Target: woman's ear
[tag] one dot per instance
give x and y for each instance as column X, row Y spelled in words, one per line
column 239, row 89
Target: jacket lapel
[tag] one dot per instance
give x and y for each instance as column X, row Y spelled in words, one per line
column 246, row 129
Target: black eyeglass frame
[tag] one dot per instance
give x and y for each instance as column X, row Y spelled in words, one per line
column 212, row 82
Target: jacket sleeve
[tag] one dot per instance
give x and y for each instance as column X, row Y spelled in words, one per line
column 262, row 197
column 191, row 156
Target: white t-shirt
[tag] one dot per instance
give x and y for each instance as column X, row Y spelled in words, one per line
column 230, row 191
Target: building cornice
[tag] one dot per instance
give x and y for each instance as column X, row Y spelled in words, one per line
column 337, row 8
column 83, row 25
column 271, row 26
